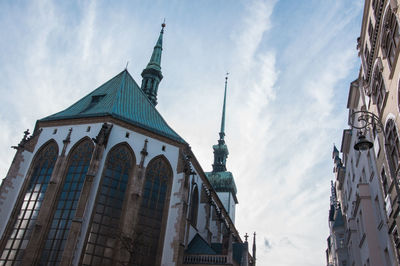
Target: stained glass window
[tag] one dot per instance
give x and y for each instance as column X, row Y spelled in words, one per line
column 105, row 223
column 43, row 166
column 149, row 229
column 67, row 203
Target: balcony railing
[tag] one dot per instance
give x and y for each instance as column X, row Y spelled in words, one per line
column 205, row 259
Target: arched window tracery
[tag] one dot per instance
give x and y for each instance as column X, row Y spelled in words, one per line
column 153, row 211
column 105, row 222
column 390, row 36
column 392, row 145
column 67, row 203
column 194, row 206
column 42, row 169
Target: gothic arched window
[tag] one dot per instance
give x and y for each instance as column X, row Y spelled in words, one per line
column 390, row 36
column 194, row 206
column 378, row 89
column 42, row 168
column 392, row 146
column 67, row 202
column 153, row 211
column 104, row 229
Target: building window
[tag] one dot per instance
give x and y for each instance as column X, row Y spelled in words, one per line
column 378, row 89
column 392, row 147
column 366, row 55
column 151, row 212
column 94, row 101
column 42, row 169
column 194, row 206
column 385, row 184
column 390, row 37
column 67, row 203
column 104, row 230
column 378, row 211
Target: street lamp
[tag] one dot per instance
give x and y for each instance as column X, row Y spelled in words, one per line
column 363, row 121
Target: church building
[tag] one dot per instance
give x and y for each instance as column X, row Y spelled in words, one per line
column 108, row 182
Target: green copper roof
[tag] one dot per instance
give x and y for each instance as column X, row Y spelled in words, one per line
column 120, row 97
column 222, row 182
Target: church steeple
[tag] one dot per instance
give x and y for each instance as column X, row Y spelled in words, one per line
column 221, row 150
column 152, row 73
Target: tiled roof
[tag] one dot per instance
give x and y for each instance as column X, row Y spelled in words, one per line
column 122, row 98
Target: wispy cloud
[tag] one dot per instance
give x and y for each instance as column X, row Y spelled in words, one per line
column 290, row 67
column 267, row 244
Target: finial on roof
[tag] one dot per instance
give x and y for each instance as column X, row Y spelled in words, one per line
column 163, row 26
column 245, row 237
column 127, row 63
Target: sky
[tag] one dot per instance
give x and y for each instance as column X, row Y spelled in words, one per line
column 290, row 65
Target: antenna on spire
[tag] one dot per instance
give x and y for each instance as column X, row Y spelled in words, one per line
column 127, row 63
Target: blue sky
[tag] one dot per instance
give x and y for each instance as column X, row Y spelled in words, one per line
column 290, row 63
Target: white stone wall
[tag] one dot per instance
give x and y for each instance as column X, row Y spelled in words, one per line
column 362, row 178
column 10, row 197
column 229, row 203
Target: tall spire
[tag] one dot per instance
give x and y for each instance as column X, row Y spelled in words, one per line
column 221, row 150
column 152, row 73
column 222, row 131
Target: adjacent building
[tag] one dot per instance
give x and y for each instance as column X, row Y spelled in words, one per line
column 108, row 182
column 367, row 181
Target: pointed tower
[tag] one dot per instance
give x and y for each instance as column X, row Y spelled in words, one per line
column 152, row 73
column 220, row 149
column 222, row 180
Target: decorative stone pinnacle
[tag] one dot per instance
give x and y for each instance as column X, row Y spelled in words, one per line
column 144, row 153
